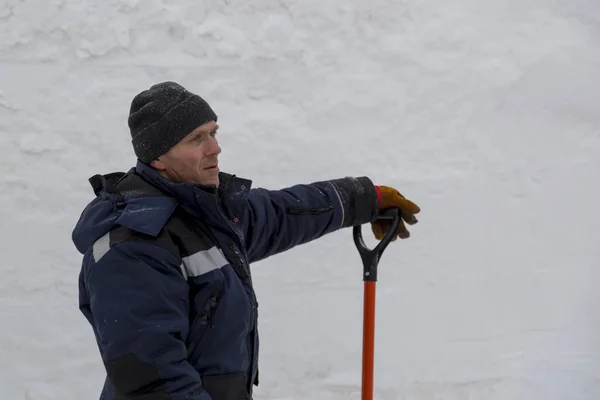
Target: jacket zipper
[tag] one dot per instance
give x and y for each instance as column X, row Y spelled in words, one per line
column 244, row 273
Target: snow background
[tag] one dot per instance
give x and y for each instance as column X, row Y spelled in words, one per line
column 487, row 114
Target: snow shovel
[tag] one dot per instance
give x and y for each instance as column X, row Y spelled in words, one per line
column 370, row 259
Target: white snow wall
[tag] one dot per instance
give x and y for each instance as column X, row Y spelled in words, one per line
column 486, row 113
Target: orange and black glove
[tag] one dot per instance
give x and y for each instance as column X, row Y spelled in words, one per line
column 391, row 198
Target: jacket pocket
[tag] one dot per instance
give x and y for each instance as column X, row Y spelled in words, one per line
column 203, row 321
column 308, row 211
column 226, row 386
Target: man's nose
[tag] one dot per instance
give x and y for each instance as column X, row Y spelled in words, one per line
column 214, row 147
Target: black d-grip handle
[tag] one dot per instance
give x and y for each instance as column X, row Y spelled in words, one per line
column 370, row 258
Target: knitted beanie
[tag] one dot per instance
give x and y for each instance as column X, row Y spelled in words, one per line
column 163, row 115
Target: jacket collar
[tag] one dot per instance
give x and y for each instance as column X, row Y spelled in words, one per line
column 194, row 195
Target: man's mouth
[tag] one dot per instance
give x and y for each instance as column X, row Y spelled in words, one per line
column 212, row 167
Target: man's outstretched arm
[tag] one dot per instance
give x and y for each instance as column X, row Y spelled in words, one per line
column 277, row 220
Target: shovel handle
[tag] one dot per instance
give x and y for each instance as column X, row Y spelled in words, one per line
column 370, row 258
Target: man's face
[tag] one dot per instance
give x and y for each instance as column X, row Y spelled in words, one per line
column 194, row 159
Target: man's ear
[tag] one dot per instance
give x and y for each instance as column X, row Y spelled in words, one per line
column 158, row 164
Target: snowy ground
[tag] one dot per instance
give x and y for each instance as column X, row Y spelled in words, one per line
column 486, row 113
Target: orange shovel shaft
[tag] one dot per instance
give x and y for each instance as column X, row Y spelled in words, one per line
column 368, row 340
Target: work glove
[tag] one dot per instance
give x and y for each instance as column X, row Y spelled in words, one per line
column 391, row 198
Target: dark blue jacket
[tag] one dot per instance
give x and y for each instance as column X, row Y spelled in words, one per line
column 165, row 281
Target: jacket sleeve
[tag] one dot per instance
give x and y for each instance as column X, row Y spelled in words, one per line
column 277, row 220
column 139, row 303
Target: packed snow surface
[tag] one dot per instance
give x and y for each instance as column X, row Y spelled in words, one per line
column 485, row 113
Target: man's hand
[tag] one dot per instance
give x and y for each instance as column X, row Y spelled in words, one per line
column 391, row 198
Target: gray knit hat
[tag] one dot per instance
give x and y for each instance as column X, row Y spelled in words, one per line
column 163, row 115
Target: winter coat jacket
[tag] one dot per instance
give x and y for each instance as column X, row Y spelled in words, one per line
column 165, row 281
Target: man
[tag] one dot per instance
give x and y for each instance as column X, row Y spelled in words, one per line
column 165, row 281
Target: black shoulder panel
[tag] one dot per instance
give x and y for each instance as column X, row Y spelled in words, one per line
column 189, row 234
column 181, row 236
column 123, row 234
